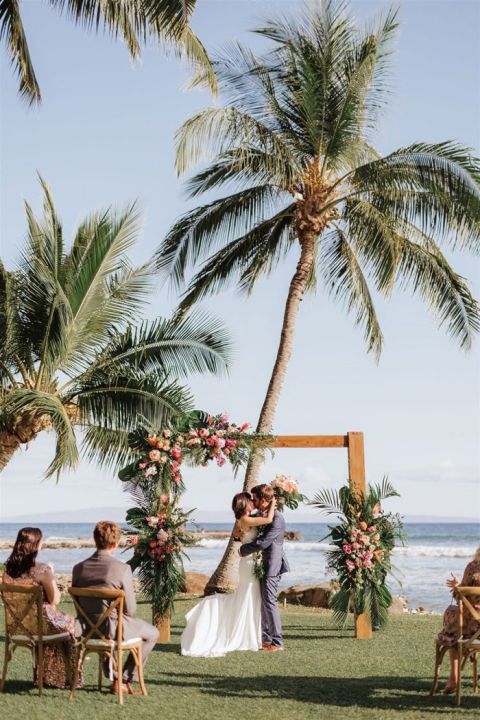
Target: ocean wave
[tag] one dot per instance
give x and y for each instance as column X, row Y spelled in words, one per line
column 452, row 551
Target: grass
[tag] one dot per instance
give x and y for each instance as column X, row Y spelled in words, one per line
column 325, row 673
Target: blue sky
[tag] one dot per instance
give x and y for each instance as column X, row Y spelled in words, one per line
column 103, row 136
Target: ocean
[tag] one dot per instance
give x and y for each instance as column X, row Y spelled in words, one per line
column 431, row 552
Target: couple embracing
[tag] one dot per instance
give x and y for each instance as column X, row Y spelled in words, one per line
column 247, row 619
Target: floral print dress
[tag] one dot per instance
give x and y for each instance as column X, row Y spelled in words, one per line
column 56, row 662
column 471, row 578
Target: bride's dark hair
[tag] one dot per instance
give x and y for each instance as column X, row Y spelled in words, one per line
column 240, row 504
column 24, row 552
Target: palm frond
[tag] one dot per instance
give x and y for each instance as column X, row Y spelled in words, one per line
column 328, row 501
column 13, row 33
column 345, row 281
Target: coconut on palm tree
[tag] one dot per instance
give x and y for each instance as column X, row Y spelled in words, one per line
column 74, row 354
column 294, row 138
column 134, row 21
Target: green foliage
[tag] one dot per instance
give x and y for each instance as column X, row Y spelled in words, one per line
column 72, row 352
column 135, row 21
column 363, row 543
column 290, row 152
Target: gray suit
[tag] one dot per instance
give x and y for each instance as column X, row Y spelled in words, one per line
column 102, row 570
column 275, row 564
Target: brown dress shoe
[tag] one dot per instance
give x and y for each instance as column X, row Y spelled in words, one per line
column 275, row 648
column 266, row 646
column 114, row 688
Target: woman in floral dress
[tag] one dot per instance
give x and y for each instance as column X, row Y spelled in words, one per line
column 471, row 578
column 21, row 568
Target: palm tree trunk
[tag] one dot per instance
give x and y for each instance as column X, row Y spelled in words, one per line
column 9, row 444
column 225, row 577
column 24, row 430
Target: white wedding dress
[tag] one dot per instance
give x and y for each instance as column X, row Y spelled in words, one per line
column 220, row 624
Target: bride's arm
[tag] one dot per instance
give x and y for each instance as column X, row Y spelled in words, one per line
column 257, row 521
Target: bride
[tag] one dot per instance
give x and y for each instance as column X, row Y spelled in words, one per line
column 224, row 623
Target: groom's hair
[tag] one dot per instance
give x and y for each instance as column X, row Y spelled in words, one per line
column 240, row 504
column 263, row 492
column 106, row 534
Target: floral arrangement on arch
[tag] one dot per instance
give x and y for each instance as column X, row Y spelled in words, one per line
column 363, row 543
column 198, row 439
column 287, row 492
column 158, row 536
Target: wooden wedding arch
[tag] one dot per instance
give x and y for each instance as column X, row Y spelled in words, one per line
column 354, row 443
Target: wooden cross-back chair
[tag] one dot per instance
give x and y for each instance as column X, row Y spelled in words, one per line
column 94, row 639
column 466, row 648
column 25, row 627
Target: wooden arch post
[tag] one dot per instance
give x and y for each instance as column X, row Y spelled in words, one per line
column 354, row 443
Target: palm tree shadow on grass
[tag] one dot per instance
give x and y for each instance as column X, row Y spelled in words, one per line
column 376, row 692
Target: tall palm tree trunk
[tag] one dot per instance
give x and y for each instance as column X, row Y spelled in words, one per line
column 225, row 577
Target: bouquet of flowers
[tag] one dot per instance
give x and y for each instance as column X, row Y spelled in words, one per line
column 158, row 535
column 287, row 492
column 363, row 543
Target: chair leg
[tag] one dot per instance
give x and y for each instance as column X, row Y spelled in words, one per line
column 120, row 678
column 459, row 675
column 100, row 670
column 475, row 673
column 438, row 661
column 6, row 659
column 40, row 668
column 139, row 663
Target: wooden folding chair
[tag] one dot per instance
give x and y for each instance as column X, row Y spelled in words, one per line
column 95, row 641
column 24, row 627
column 467, row 648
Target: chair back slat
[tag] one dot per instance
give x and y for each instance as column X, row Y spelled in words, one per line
column 114, row 600
column 23, row 606
column 463, row 594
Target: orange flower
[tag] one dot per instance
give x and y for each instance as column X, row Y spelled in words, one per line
column 363, row 525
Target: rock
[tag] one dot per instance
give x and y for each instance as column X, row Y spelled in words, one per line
column 309, row 595
column 293, row 535
column 399, row 605
column 194, row 583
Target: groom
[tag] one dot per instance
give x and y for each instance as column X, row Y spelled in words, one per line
column 275, row 564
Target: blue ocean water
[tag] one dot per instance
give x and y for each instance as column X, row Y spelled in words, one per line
column 431, row 552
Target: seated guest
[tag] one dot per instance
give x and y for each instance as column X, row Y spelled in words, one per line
column 471, row 578
column 103, row 570
column 22, row 568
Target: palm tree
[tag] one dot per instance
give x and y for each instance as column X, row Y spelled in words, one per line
column 73, row 354
column 134, row 21
column 293, row 140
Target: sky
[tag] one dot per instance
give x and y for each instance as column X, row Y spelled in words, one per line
column 104, row 136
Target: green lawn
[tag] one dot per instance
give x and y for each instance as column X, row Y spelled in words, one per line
column 325, row 673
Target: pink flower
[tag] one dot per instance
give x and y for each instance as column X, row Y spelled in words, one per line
column 350, row 565
column 175, row 466
column 355, row 546
column 226, row 452
column 162, row 535
column 224, row 418
column 203, row 432
column 133, row 540
column 164, row 499
column 220, row 433
column 221, row 461
column 209, row 420
column 176, row 452
column 210, row 441
column 152, row 521
column 347, row 549
column 231, row 443
column 179, row 439
column 167, row 433
column 372, row 528
column 177, row 477
column 154, row 455
column 193, row 433
column 143, row 465
column 150, row 471
column 220, row 442
column 243, row 427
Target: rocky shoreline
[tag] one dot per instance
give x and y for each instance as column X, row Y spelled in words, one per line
column 73, row 543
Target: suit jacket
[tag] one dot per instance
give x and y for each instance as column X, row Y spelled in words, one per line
column 271, row 546
column 102, row 570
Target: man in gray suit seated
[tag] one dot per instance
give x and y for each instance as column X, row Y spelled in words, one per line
column 274, row 563
column 102, row 570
